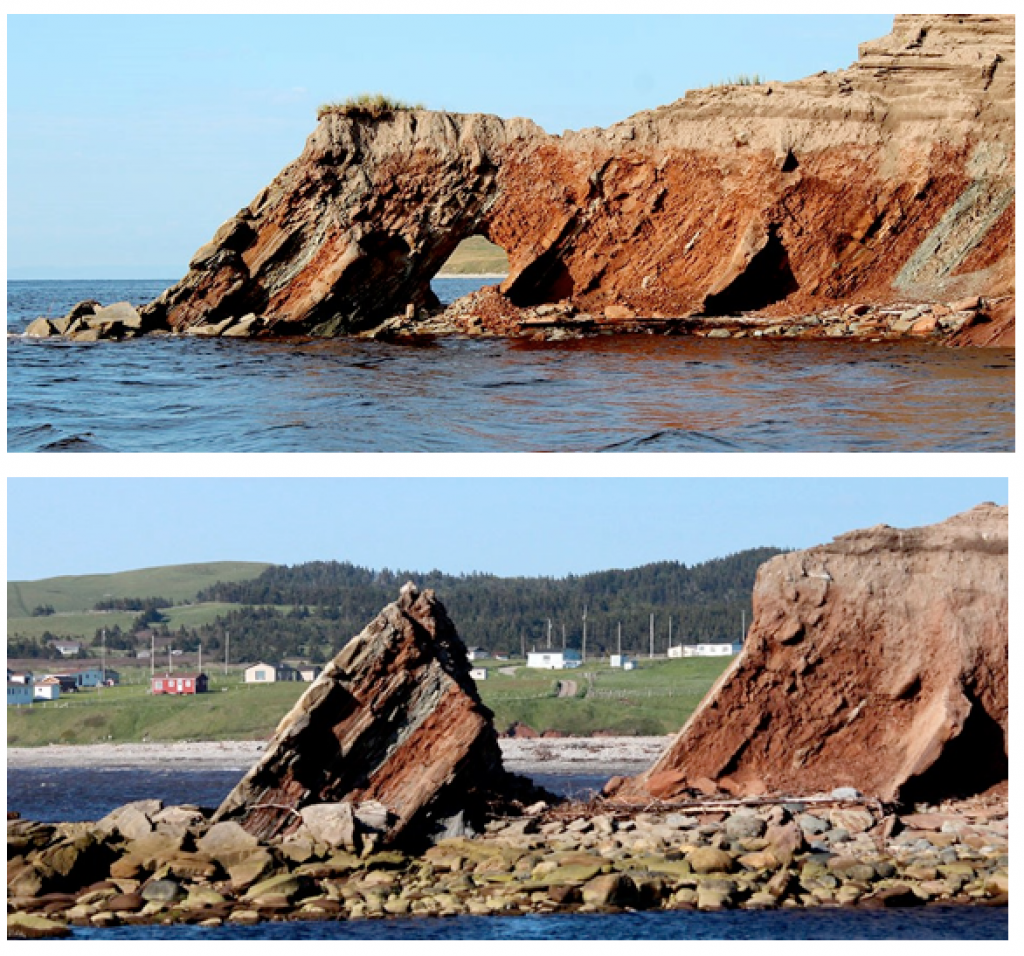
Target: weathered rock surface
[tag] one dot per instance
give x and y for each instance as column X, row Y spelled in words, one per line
column 879, row 661
column 893, row 179
column 394, row 719
column 566, row 860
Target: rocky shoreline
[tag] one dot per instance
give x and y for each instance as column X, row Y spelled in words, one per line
column 149, row 864
column 487, row 314
column 590, row 755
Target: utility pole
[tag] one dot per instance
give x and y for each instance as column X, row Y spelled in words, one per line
column 227, row 648
column 152, row 655
column 169, row 665
column 549, row 633
column 563, row 637
column 103, row 660
column 652, row 636
column 620, row 641
column 743, row 625
column 522, row 644
column 584, row 655
column 199, row 669
column 669, row 633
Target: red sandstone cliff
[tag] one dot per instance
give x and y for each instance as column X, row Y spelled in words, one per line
column 879, row 661
column 893, row 179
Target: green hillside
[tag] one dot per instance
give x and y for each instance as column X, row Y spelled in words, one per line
column 78, row 625
column 178, row 582
column 476, row 256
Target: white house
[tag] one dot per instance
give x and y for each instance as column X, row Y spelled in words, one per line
column 621, row 660
column 553, row 660
column 629, row 666
column 705, row 650
column 261, row 674
column 477, row 654
column 268, row 673
column 66, row 648
column 46, row 689
column 309, row 672
column 14, row 677
column 478, row 673
column 19, row 694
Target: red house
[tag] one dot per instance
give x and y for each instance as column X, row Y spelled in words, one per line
column 179, row 684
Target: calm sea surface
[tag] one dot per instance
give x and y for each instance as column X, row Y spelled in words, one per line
column 632, row 393
column 68, row 794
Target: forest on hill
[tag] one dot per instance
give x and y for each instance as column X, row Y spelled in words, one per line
column 313, row 609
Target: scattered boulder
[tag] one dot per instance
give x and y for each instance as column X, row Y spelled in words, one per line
column 331, row 823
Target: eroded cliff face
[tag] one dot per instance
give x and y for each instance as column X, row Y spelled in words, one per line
column 892, row 180
column 394, row 720
column 879, row 661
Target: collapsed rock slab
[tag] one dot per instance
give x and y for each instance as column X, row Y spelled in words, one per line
column 879, row 661
column 394, row 718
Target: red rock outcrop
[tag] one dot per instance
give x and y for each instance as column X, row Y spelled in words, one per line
column 879, row 661
column 893, row 179
column 394, row 719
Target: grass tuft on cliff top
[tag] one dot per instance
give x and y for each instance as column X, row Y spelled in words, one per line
column 366, row 105
column 744, row 79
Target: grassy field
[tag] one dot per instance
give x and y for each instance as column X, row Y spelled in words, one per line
column 231, row 711
column 80, row 592
column 654, row 700
column 85, row 624
column 476, row 256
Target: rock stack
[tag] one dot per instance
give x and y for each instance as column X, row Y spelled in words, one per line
column 392, row 740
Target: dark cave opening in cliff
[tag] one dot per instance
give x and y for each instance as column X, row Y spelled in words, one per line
column 767, row 279
column 971, row 763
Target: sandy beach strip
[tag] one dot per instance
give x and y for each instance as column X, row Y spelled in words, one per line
column 563, row 755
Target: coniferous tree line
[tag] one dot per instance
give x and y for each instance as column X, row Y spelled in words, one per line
column 313, row 609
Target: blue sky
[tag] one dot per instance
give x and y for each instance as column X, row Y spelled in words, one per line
column 504, row 526
column 131, row 138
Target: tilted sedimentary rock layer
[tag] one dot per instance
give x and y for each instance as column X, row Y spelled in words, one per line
column 879, row 661
column 891, row 179
column 395, row 718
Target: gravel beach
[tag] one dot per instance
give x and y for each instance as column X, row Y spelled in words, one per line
column 561, row 755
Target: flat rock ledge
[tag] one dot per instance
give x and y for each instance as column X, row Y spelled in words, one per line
column 147, row 863
column 487, row 314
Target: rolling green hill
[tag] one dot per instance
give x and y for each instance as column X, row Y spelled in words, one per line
column 476, row 256
column 178, row 582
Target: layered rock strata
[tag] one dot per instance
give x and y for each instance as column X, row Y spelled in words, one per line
column 879, row 661
column 393, row 727
column 891, row 180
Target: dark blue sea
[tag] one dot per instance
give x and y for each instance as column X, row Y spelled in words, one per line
column 69, row 794
column 617, row 394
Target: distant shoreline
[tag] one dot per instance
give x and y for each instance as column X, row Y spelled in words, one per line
column 564, row 755
column 471, row 275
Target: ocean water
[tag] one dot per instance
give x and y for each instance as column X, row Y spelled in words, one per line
column 56, row 794
column 616, row 394
column 938, row 923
